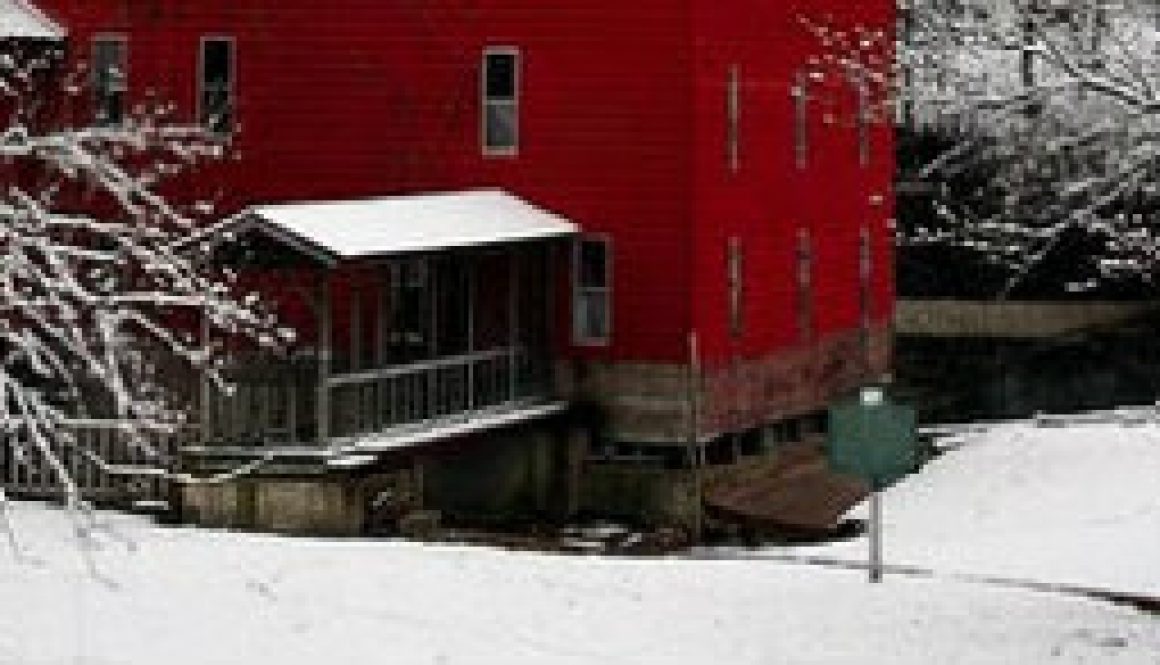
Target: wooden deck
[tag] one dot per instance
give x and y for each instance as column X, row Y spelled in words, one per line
column 797, row 493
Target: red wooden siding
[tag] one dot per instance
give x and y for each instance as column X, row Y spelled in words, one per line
column 622, row 130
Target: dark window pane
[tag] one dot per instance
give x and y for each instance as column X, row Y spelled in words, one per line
column 217, row 86
column 109, row 80
column 593, row 264
column 217, row 62
column 501, row 76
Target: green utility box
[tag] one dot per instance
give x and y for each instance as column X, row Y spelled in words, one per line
column 872, row 438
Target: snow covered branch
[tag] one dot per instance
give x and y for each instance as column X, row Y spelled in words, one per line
column 103, row 305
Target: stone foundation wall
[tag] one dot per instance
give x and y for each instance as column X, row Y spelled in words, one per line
column 650, row 403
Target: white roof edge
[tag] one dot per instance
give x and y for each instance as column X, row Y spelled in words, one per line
column 21, row 19
column 408, row 223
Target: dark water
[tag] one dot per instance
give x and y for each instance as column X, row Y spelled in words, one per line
column 957, row 380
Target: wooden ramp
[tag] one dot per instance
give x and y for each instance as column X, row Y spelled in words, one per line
column 796, row 493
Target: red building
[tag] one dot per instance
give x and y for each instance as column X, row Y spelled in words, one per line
column 732, row 226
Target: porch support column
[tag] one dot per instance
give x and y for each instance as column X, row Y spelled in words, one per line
column 325, row 357
column 380, row 354
column 513, row 322
column 206, row 388
column 472, row 267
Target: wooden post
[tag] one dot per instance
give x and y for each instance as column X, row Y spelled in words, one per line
column 380, row 354
column 695, row 449
column 206, row 421
column 325, row 357
column 472, row 267
column 875, row 535
column 513, row 323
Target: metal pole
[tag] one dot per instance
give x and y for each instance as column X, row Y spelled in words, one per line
column 695, row 450
column 875, row 535
column 325, row 356
column 513, row 322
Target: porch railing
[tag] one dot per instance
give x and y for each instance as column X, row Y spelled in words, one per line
column 276, row 403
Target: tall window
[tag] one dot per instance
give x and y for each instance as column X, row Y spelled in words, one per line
column 805, row 279
column 863, row 121
column 592, row 308
column 216, row 93
column 501, row 112
column 736, row 284
column 733, row 118
column 865, row 274
column 110, row 79
column 801, row 125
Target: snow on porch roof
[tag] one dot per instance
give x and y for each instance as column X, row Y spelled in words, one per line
column 340, row 230
column 22, row 20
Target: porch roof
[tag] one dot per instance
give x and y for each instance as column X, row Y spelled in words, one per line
column 344, row 230
column 20, row 19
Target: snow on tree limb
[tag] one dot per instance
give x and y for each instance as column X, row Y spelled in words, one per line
column 97, row 291
column 1048, row 114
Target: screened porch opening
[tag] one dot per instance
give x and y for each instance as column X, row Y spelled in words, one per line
column 387, row 346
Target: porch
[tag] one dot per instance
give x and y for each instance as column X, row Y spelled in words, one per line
column 418, row 318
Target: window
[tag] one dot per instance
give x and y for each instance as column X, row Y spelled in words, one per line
column 736, row 284
column 216, row 94
column 865, row 297
column 110, row 80
column 805, row 278
column 501, row 117
column 865, row 273
column 592, row 310
column 733, row 115
column 863, row 121
column 801, row 103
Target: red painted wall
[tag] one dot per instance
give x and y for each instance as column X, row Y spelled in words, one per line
column 769, row 199
column 622, row 110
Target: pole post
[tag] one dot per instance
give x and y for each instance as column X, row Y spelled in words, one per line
column 695, row 450
column 325, row 357
column 875, row 535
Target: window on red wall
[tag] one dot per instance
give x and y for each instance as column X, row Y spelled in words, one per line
column 500, row 107
column 216, row 85
column 109, row 79
column 805, row 294
column 592, row 291
column 733, row 119
column 736, row 283
column 865, row 274
column 801, row 120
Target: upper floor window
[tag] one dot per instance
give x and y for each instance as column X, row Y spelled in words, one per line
column 862, row 121
column 805, row 284
column 501, row 111
column 592, row 298
column 736, row 283
column 110, row 79
column 216, row 85
column 733, row 118
column 865, row 274
column 801, row 126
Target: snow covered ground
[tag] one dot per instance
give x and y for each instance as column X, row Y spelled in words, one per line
column 1076, row 505
column 186, row 596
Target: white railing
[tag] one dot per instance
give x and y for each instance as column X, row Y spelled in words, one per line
column 276, row 403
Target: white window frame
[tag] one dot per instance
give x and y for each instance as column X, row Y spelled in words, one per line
column 733, row 118
column 863, row 119
column 579, row 291
column 98, row 101
column 804, row 258
column 232, row 88
column 515, row 102
column 865, row 276
column 735, row 284
column 800, row 94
